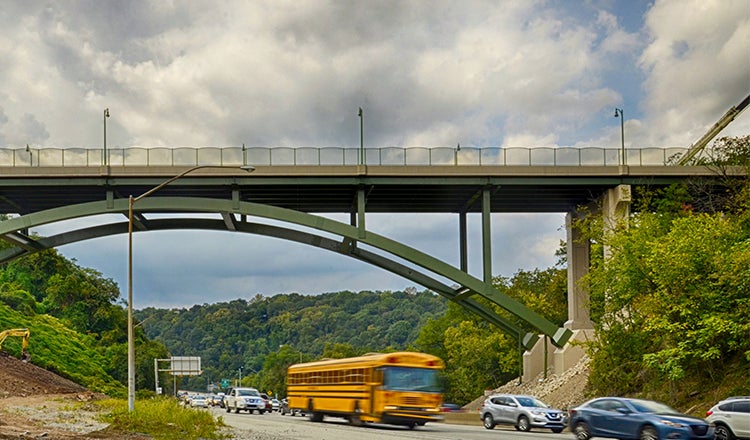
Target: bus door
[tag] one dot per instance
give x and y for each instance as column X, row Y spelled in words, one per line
column 376, row 392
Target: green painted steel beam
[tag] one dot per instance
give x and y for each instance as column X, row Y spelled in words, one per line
column 559, row 336
column 529, row 339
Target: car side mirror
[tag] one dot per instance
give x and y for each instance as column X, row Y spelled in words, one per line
column 623, row 411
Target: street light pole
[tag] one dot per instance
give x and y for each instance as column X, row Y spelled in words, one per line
column 106, row 115
column 131, row 340
column 361, row 137
column 618, row 112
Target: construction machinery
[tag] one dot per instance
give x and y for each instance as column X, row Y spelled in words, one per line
column 728, row 117
column 23, row 333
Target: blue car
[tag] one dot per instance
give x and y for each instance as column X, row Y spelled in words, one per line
column 623, row 418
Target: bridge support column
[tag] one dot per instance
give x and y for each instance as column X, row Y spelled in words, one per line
column 486, row 236
column 538, row 359
column 557, row 360
column 578, row 254
column 579, row 318
column 615, row 209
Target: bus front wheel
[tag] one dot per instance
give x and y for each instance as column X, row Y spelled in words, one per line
column 314, row 415
column 354, row 419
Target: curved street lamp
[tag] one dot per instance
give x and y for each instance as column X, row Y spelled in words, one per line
column 131, row 202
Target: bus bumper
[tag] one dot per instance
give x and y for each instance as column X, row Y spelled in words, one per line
column 410, row 418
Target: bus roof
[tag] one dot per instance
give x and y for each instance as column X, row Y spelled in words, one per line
column 401, row 358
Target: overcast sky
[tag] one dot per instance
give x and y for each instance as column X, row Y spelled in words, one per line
column 293, row 73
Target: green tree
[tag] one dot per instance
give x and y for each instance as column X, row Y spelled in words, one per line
column 674, row 303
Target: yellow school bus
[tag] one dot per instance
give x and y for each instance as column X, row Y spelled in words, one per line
column 401, row 388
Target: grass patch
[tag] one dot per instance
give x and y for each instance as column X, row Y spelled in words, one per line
column 162, row 418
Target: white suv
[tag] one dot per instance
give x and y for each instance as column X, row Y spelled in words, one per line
column 247, row 399
column 523, row 412
column 731, row 417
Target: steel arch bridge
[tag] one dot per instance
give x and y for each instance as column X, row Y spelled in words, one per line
column 41, row 194
column 425, row 270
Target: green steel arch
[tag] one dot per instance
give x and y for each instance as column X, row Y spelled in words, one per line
column 12, row 231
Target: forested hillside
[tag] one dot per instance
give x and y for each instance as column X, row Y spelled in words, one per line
column 242, row 333
column 78, row 328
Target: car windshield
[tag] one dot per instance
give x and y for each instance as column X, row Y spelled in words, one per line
column 531, row 402
column 411, row 379
column 247, row 393
column 649, row 406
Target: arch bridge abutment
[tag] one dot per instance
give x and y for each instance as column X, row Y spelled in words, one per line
column 614, row 207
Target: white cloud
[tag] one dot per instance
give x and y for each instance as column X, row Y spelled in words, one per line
column 289, row 73
column 697, row 66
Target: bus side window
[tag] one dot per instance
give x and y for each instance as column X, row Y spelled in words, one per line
column 377, row 376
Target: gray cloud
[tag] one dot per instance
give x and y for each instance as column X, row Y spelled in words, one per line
column 33, row 129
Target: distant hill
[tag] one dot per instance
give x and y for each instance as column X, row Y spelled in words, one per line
column 244, row 333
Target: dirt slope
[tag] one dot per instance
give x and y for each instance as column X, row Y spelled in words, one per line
column 22, row 379
column 36, row 403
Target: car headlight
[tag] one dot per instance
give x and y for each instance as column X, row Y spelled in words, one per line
column 673, row 424
column 538, row 413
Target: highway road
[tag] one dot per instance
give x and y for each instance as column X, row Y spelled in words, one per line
column 274, row 426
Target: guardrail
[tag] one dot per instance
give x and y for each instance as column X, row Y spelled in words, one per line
column 327, row 156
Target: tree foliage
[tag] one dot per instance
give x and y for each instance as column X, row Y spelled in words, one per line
column 266, row 334
column 46, row 285
column 671, row 295
column 478, row 355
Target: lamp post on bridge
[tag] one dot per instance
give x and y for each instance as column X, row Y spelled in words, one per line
column 618, row 113
column 361, row 137
column 131, row 201
column 106, row 115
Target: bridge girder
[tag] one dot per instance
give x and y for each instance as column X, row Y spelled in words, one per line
column 469, row 285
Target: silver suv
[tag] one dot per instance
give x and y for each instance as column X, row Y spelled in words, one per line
column 731, row 417
column 247, row 399
column 523, row 412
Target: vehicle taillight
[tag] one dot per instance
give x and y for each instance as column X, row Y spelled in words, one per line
column 709, row 412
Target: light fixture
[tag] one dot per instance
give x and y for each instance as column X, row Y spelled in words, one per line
column 106, row 115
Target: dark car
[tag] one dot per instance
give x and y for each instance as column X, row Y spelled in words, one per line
column 450, row 407
column 267, row 401
column 623, row 418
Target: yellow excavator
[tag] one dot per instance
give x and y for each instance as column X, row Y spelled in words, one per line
column 22, row 332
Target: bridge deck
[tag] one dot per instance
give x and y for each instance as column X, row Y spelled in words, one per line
column 333, row 189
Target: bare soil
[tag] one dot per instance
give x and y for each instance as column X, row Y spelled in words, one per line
column 36, row 403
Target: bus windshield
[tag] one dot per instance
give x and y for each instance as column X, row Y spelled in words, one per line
column 411, row 379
